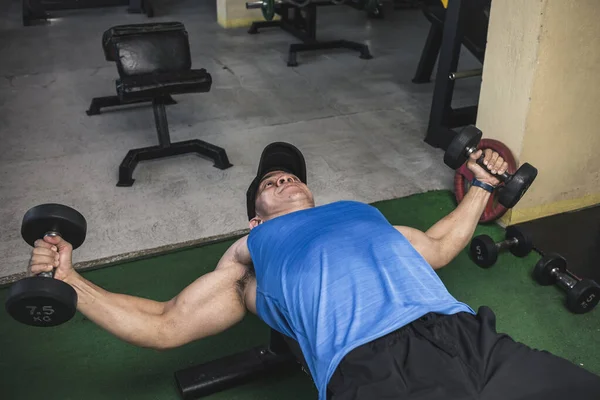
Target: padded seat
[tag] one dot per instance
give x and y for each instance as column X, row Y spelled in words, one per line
column 154, row 85
column 111, row 36
column 154, row 62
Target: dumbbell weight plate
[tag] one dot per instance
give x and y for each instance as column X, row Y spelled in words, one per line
column 483, row 251
column 511, row 192
column 42, row 302
column 456, row 154
column 45, row 218
column 268, row 9
column 583, row 297
column 525, row 244
column 542, row 270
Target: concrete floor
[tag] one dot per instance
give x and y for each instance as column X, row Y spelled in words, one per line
column 360, row 123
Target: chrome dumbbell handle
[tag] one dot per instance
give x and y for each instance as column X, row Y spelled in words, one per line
column 254, row 4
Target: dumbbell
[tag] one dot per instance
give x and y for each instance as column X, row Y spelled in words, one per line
column 484, row 251
column 514, row 186
column 582, row 294
column 266, row 6
column 42, row 300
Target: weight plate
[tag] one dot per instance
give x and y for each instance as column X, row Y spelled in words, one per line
column 463, row 176
column 42, row 302
column 525, row 243
column 45, row 218
column 456, row 154
column 268, row 9
column 512, row 191
column 542, row 272
column 583, row 297
column 483, row 251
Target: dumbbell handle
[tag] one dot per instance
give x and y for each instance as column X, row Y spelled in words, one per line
column 49, row 274
column 505, row 244
column 254, row 4
column 502, row 177
column 564, row 280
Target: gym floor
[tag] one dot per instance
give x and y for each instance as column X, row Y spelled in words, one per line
column 361, row 124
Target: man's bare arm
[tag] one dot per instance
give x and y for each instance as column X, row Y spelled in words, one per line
column 441, row 243
column 209, row 305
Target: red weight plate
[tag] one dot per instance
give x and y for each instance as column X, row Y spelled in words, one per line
column 463, row 177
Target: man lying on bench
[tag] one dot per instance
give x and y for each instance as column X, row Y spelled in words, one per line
column 361, row 297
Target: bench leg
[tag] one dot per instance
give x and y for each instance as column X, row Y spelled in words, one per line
column 237, row 369
column 167, row 149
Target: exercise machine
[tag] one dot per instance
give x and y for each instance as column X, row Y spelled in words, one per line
column 300, row 20
column 462, row 23
column 154, row 63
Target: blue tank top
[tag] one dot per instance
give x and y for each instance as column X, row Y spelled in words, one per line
column 337, row 276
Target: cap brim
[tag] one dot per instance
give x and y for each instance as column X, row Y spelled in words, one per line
column 281, row 156
column 278, row 156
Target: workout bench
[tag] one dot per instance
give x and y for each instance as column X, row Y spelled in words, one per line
column 281, row 355
column 154, row 62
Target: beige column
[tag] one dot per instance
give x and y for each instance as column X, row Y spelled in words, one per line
column 233, row 14
column 540, row 96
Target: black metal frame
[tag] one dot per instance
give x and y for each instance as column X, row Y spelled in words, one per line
column 165, row 147
column 279, row 356
column 98, row 103
column 304, row 27
column 446, row 38
column 36, row 11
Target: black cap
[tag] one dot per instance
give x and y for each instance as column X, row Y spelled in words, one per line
column 277, row 156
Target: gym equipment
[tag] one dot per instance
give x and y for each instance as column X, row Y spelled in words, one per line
column 266, row 6
column 484, row 251
column 454, row 24
column 463, row 177
column 514, row 185
column 35, row 11
column 281, row 355
column 582, row 294
column 300, row 20
column 42, row 300
column 465, row 74
column 154, row 62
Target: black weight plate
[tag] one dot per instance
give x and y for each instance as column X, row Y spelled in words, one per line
column 44, row 218
column 513, row 190
column 542, row 270
column 456, row 154
column 583, row 297
column 525, row 244
column 483, row 251
column 268, row 9
column 40, row 301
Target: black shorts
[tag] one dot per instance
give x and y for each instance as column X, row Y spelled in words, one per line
column 457, row 356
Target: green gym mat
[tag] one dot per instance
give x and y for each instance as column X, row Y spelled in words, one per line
column 78, row 360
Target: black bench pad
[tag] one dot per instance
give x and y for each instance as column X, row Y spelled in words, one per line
column 157, row 85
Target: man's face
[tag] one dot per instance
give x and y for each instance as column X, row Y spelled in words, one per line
column 279, row 193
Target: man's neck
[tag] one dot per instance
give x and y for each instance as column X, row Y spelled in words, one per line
column 290, row 210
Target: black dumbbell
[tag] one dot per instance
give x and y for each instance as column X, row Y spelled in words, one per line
column 42, row 300
column 484, row 251
column 514, row 186
column 582, row 294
